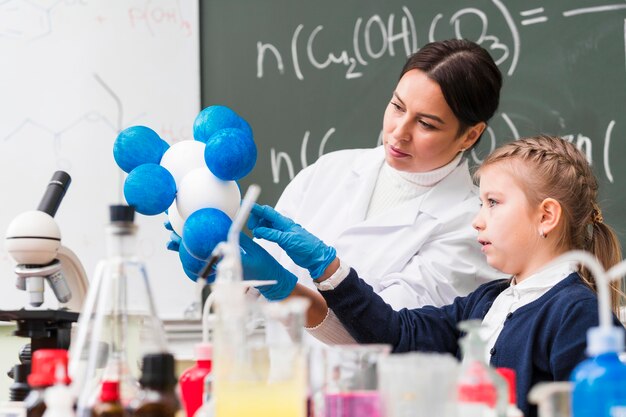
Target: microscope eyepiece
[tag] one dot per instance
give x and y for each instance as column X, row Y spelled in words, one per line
column 57, row 186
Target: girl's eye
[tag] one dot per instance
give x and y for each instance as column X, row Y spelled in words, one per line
column 396, row 106
column 490, row 203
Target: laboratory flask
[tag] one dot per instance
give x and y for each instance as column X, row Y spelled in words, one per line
column 418, row 384
column 119, row 323
column 259, row 360
column 351, row 386
column 553, row 399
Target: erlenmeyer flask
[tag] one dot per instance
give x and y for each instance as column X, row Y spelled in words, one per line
column 118, row 324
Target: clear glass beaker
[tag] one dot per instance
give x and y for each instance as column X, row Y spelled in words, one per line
column 553, row 399
column 260, row 360
column 119, row 323
column 418, row 384
column 351, row 380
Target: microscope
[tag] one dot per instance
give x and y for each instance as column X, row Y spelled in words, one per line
column 33, row 240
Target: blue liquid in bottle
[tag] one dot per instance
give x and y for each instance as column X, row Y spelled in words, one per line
column 600, row 381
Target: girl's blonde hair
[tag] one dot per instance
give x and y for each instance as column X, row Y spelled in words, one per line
column 553, row 168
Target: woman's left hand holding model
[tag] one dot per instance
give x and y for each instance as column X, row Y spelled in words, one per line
column 303, row 248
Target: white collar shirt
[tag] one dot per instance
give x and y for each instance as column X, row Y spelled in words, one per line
column 519, row 295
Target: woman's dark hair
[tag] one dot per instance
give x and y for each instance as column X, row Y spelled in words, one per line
column 467, row 75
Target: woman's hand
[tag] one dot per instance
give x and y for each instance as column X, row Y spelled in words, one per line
column 259, row 265
column 303, row 248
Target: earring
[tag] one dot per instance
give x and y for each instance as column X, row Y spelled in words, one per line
column 542, row 234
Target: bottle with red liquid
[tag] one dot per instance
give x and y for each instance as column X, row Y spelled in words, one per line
column 191, row 381
column 108, row 404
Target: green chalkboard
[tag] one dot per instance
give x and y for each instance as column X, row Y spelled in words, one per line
column 312, row 77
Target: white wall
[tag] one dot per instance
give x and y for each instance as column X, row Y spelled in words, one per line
column 73, row 74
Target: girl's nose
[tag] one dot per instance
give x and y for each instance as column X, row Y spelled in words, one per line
column 478, row 223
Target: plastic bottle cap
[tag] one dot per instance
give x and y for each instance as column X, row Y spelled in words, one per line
column 157, row 371
column 110, row 391
column 509, row 375
column 44, row 365
column 604, row 340
column 204, row 351
column 121, row 213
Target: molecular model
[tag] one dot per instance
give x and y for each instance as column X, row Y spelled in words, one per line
column 193, row 181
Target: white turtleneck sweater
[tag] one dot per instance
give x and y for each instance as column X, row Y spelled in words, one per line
column 395, row 187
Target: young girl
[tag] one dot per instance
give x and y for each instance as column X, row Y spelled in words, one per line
column 538, row 200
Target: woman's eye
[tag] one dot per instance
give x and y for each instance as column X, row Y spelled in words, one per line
column 426, row 125
column 491, row 202
column 396, row 106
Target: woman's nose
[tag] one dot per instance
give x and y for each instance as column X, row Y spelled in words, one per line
column 402, row 130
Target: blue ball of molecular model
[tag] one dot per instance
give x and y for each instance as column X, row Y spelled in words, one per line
column 150, row 189
column 214, row 118
column 138, row 145
column 203, row 230
column 230, row 154
column 193, row 181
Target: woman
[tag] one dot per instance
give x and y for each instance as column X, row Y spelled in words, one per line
column 401, row 213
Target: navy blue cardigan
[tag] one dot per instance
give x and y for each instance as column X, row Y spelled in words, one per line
column 543, row 340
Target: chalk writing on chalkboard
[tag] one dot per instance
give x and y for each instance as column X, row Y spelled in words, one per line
column 281, row 159
column 397, row 34
column 405, row 35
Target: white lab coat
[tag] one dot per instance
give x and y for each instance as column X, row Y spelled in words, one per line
column 422, row 252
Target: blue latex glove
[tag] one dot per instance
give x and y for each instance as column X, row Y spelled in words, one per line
column 258, row 264
column 303, row 248
column 174, row 243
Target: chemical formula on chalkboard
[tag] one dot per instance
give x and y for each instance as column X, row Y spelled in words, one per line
column 315, row 78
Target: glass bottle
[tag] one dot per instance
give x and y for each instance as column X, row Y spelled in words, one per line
column 481, row 392
column 108, row 404
column 119, row 323
column 45, row 367
column 157, row 397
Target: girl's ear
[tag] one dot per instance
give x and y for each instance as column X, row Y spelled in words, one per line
column 551, row 211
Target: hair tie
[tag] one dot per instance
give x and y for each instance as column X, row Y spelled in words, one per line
column 596, row 214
